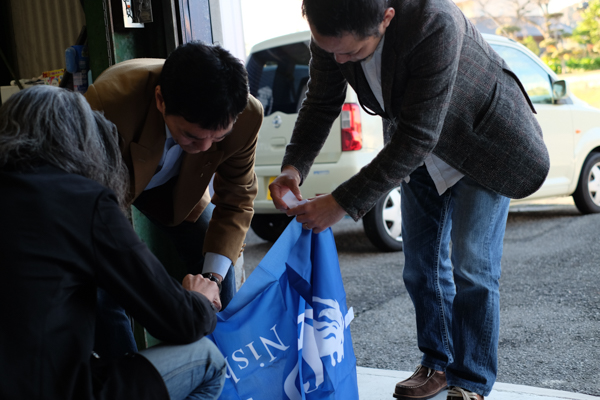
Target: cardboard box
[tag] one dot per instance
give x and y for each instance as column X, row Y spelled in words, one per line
column 54, row 77
column 7, row 91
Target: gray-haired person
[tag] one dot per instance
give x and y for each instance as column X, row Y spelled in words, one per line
column 64, row 234
column 460, row 139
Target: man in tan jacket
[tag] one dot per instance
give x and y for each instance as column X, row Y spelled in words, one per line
column 183, row 120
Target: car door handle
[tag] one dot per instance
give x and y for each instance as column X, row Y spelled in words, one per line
column 278, row 142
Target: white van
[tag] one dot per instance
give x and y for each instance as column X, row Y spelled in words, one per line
column 278, row 73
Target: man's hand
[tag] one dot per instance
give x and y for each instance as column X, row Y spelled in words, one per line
column 318, row 214
column 289, row 179
column 206, row 287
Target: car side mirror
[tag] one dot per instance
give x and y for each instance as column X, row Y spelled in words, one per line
column 559, row 89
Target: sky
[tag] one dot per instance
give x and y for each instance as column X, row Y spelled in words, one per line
column 265, row 19
column 557, row 5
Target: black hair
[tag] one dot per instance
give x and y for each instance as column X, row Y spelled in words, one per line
column 204, row 84
column 337, row 17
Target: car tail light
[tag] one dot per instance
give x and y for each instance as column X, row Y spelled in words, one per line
column 351, row 127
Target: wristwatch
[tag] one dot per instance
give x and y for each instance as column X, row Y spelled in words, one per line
column 210, row 276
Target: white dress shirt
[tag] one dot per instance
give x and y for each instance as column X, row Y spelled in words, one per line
column 168, row 167
column 170, row 162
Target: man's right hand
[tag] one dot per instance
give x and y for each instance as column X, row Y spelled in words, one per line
column 204, row 286
column 289, row 179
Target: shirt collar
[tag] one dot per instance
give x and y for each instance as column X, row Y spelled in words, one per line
column 169, row 136
column 377, row 52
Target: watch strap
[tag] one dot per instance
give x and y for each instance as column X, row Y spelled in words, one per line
column 210, row 276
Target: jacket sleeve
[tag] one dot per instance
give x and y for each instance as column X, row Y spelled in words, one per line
column 235, row 187
column 417, row 123
column 133, row 276
column 323, row 104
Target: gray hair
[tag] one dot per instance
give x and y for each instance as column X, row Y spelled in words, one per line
column 56, row 126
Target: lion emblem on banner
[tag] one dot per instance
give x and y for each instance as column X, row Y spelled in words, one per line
column 320, row 336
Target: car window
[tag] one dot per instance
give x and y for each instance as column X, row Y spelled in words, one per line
column 278, row 77
column 536, row 81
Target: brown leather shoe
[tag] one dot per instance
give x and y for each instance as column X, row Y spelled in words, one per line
column 425, row 383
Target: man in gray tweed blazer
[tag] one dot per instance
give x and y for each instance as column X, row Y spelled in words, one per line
column 460, row 139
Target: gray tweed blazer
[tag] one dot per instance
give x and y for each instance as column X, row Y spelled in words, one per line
column 445, row 91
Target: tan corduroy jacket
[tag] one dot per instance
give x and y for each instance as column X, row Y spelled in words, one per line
column 125, row 93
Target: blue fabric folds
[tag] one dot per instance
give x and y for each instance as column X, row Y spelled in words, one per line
column 286, row 334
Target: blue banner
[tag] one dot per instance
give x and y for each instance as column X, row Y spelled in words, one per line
column 286, row 334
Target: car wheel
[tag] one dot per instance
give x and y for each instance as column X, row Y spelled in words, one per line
column 587, row 194
column 383, row 224
column 270, row 226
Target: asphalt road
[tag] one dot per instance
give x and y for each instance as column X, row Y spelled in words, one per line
column 550, row 298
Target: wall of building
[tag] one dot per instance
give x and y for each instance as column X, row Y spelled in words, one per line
column 42, row 31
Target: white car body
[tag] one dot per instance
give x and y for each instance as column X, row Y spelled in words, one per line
column 571, row 130
column 332, row 166
column 570, row 126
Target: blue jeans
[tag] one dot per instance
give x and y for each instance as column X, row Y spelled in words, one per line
column 192, row 371
column 453, row 247
column 113, row 336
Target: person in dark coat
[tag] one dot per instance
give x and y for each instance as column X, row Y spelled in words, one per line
column 461, row 139
column 64, row 235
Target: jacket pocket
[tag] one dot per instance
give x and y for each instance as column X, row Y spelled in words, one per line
column 481, row 123
column 516, row 79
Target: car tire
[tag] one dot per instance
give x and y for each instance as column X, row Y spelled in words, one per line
column 587, row 194
column 269, row 226
column 383, row 224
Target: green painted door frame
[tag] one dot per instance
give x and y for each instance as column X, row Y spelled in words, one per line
column 108, row 46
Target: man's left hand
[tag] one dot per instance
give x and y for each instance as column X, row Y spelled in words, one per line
column 318, row 213
column 206, row 287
